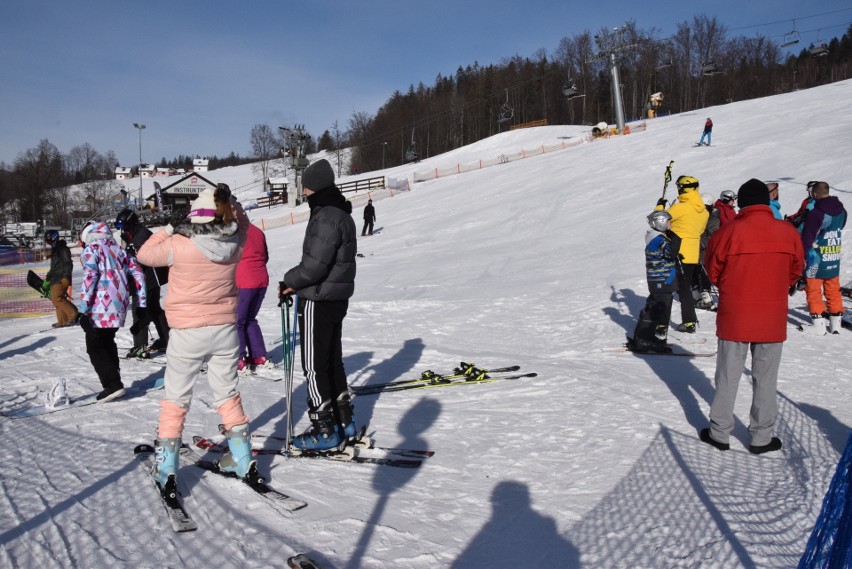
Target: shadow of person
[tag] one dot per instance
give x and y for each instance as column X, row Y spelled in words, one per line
column 416, row 421
column 517, row 536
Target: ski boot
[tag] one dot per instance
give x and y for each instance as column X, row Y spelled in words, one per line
column 345, row 412
column 262, row 363
column 817, row 327
column 243, row 367
column 158, row 345
column 138, row 352
column 165, row 468
column 835, row 322
column 238, row 459
column 687, row 327
column 323, row 434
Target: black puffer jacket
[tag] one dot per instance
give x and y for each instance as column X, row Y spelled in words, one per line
column 327, row 269
column 61, row 265
column 137, row 236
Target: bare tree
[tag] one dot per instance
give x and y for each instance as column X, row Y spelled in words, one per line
column 265, row 148
column 39, row 170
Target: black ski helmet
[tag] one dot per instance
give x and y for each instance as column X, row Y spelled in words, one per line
column 51, row 236
column 126, row 219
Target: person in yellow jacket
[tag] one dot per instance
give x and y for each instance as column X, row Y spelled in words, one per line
column 689, row 219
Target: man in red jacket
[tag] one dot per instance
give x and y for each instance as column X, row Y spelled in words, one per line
column 753, row 260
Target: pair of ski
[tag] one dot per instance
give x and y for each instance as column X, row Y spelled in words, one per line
column 360, row 451
column 465, row 374
column 179, row 519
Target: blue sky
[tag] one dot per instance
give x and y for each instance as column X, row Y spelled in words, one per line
column 199, row 74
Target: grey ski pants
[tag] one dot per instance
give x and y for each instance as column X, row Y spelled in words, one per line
column 730, row 361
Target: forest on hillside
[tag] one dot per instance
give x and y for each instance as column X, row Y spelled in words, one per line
column 482, row 100
column 477, row 100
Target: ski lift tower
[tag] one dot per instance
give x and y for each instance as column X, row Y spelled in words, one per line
column 610, row 45
column 294, row 140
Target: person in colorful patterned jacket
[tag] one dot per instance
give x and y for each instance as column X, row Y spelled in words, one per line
column 822, row 235
column 108, row 273
column 202, row 252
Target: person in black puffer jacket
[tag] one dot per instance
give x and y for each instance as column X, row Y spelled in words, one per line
column 59, row 277
column 324, row 281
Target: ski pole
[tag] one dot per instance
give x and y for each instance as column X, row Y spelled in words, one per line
column 289, row 382
column 667, row 178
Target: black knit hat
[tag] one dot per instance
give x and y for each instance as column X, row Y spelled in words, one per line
column 753, row 192
column 318, row 176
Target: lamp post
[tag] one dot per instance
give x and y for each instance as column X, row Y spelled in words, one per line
column 140, row 127
column 384, row 145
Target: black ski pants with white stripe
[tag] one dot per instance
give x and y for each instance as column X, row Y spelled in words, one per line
column 321, row 328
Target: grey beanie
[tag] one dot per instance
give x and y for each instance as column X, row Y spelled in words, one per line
column 318, row 176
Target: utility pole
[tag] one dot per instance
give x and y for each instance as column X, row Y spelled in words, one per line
column 384, row 146
column 140, row 127
column 609, row 46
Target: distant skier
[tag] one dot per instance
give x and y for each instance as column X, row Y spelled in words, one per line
column 369, row 218
column 708, row 132
column 59, row 277
column 662, row 269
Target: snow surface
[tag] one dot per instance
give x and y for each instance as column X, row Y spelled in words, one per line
column 594, row 463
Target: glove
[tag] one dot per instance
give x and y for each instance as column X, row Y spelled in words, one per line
column 798, row 285
column 284, row 298
column 45, row 289
column 86, row 324
column 662, row 202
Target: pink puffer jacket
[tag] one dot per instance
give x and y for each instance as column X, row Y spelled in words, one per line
column 203, row 262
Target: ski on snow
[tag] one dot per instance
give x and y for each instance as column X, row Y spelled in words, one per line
column 465, row 374
column 178, row 518
column 351, row 453
column 276, row 499
column 676, row 351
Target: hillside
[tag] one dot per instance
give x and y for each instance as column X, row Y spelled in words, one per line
column 537, row 262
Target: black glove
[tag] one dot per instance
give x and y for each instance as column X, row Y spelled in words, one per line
column 284, row 298
column 662, row 202
column 86, row 324
column 798, row 285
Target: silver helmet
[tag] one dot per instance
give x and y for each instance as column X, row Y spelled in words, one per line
column 727, row 196
column 659, row 220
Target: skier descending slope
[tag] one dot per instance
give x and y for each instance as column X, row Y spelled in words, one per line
column 203, row 251
column 324, row 281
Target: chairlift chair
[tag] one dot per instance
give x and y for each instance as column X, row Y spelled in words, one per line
column 570, row 90
column 791, row 38
column 507, row 111
column 664, row 65
column 709, row 68
column 820, row 49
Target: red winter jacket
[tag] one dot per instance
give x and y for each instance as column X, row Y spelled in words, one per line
column 251, row 270
column 754, row 259
column 726, row 211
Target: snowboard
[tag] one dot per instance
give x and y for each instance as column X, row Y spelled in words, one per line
column 676, row 351
column 37, row 282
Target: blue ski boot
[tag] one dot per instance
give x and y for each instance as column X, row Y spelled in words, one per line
column 238, row 458
column 323, row 434
column 346, row 428
column 165, row 468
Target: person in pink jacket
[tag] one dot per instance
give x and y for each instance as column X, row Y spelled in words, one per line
column 202, row 253
column 252, row 282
